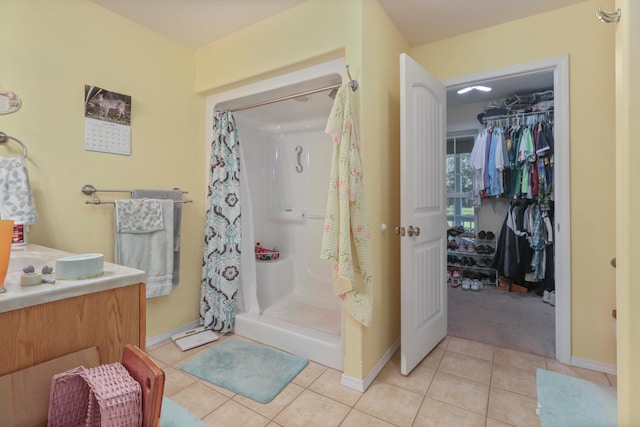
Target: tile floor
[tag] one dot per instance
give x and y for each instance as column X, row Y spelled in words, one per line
column 460, row 383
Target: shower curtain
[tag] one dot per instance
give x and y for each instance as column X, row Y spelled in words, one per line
column 346, row 239
column 223, row 229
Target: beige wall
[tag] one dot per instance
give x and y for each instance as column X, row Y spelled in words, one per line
column 50, row 50
column 589, row 44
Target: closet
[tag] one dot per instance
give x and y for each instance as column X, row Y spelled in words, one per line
column 510, row 186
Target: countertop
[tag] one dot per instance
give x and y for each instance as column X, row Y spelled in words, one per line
column 17, row 296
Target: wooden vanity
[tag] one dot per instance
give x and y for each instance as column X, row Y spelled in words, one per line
column 42, row 322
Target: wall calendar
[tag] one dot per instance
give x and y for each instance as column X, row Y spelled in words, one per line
column 107, row 125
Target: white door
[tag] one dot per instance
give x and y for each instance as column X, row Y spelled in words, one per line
column 423, row 213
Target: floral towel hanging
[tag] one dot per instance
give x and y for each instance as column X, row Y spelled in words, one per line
column 221, row 263
column 346, row 240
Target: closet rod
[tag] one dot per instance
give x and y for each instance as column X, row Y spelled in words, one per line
column 516, row 115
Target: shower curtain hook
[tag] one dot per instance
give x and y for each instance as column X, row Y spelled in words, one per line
column 352, row 83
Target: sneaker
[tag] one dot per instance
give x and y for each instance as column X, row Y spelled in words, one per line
column 490, row 235
column 466, row 284
column 477, row 285
column 482, row 235
column 552, row 298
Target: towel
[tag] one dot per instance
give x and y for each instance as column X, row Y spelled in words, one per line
column 347, row 240
column 175, row 194
column 144, row 246
column 16, row 199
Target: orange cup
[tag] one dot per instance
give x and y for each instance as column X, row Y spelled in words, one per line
column 6, row 236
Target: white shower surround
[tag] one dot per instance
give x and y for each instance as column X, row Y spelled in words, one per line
column 298, row 311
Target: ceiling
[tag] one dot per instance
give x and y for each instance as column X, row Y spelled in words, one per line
column 196, row 23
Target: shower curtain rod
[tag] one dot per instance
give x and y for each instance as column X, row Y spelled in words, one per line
column 353, row 84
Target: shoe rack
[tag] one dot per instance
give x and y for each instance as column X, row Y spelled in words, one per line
column 472, row 254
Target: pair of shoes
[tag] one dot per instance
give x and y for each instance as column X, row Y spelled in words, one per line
column 455, row 231
column 477, row 285
column 549, row 297
column 485, row 249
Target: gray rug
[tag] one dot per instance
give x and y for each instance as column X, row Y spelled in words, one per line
column 512, row 320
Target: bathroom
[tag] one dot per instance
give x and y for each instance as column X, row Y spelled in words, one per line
column 55, row 56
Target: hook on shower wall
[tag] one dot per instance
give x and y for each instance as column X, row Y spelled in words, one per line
column 298, row 160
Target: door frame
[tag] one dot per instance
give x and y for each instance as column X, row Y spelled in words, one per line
column 560, row 67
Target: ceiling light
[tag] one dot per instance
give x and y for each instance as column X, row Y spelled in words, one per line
column 470, row 88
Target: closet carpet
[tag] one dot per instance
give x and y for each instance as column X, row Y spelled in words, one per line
column 512, row 320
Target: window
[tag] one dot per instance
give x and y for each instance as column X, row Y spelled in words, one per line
column 460, row 210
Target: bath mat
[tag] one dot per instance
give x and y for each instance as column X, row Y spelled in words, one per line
column 566, row 401
column 174, row 415
column 256, row 372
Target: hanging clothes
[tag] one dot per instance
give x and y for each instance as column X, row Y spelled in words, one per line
column 346, row 240
column 223, row 225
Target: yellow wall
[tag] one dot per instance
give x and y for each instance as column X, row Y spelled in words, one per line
column 380, row 135
column 589, row 44
column 627, row 205
column 50, row 50
column 361, row 32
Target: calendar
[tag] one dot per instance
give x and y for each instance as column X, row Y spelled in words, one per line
column 107, row 137
column 107, row 121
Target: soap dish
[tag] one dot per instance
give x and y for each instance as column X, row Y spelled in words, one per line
column 80, row 266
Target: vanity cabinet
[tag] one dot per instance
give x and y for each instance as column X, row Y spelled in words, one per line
column 40, row 323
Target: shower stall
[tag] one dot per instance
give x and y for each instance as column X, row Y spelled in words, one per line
column 287, row 162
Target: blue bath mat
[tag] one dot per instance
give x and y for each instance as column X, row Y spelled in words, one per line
column 174, row 415
column 566, row 401
column 254, row 371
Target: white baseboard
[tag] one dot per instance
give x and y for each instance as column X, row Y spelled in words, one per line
column 594, row 366
column 167, row 335
column 363, row 385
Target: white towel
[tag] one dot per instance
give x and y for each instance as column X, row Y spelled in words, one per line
column 16, row 199
column 150, row 251
column 177, row 220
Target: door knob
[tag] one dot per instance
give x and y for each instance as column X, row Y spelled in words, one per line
column 411, row 231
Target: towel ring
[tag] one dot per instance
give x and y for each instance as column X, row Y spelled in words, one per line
column 4, row 137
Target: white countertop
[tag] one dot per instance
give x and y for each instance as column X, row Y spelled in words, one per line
column 17, row 296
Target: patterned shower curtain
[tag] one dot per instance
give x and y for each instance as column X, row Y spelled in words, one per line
column 222, row 253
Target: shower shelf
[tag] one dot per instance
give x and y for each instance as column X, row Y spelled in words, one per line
column 264, row 254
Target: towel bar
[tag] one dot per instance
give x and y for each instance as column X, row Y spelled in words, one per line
column 90, row 190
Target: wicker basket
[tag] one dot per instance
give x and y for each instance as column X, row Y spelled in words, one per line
column 103, row 396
